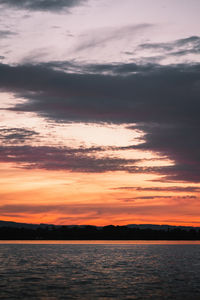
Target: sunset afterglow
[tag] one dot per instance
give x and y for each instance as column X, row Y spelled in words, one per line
column 100, row 112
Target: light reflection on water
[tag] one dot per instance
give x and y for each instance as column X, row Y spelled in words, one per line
column 107, row 242
column 99, row 271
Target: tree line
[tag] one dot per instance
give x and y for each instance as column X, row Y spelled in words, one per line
column 96, row 233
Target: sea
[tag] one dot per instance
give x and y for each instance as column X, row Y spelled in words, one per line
column 54, row 270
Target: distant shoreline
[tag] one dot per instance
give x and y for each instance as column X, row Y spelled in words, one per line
column 91, row 233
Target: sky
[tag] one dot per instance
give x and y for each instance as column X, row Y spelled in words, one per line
column 99, row 112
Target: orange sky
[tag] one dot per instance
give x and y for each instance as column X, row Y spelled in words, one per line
column 58, row 197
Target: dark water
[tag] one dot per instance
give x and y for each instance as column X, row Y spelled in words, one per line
column 63, row 271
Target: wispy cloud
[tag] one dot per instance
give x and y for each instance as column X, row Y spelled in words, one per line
column 55, row 158
column 177, row 189
column 101, row 211
column 100, row 37
column 190, row 45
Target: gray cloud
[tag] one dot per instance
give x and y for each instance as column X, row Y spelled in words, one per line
column 54, row 158
column 174, row 198
column 41, row 5
column 119, row 69
column 6, row 34
column 104, row 69
column 177, row 189
column 143, row 198
column 16, row 135
column 190, row 45
column 178, row 141
column 162, row 100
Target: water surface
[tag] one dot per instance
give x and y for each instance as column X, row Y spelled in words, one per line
column 99, row 270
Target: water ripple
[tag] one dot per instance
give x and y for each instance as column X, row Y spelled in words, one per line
column 56, row 272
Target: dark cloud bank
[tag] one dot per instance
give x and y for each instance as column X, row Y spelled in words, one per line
column 163, row 101
column 41, row 5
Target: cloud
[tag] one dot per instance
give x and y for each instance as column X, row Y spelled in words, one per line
column 41, row 5
column 190, row 45
column 118, row 69
column 16, row 135
column 100, row 37
column 5, row 34
column 133, row 199
column 104, row 69
column 163, row 101
column 177, row 189
column 70, row 159
column 161, row 197
column 157, row 94
column 177, row 140
column 99, row 211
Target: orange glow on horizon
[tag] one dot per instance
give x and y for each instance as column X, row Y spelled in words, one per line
column 39, row 196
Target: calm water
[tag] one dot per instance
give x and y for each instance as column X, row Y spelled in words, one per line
column 141, row 270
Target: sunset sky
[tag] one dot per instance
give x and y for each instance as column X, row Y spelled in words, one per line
column 100, row 111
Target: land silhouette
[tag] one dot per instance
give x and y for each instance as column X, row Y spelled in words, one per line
column 23, row 231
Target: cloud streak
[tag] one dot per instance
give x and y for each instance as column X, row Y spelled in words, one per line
column 177, row 189
column 54, row 158
column 100, row 37
column 41, row 5
column 181, row 47
column 100, row 211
